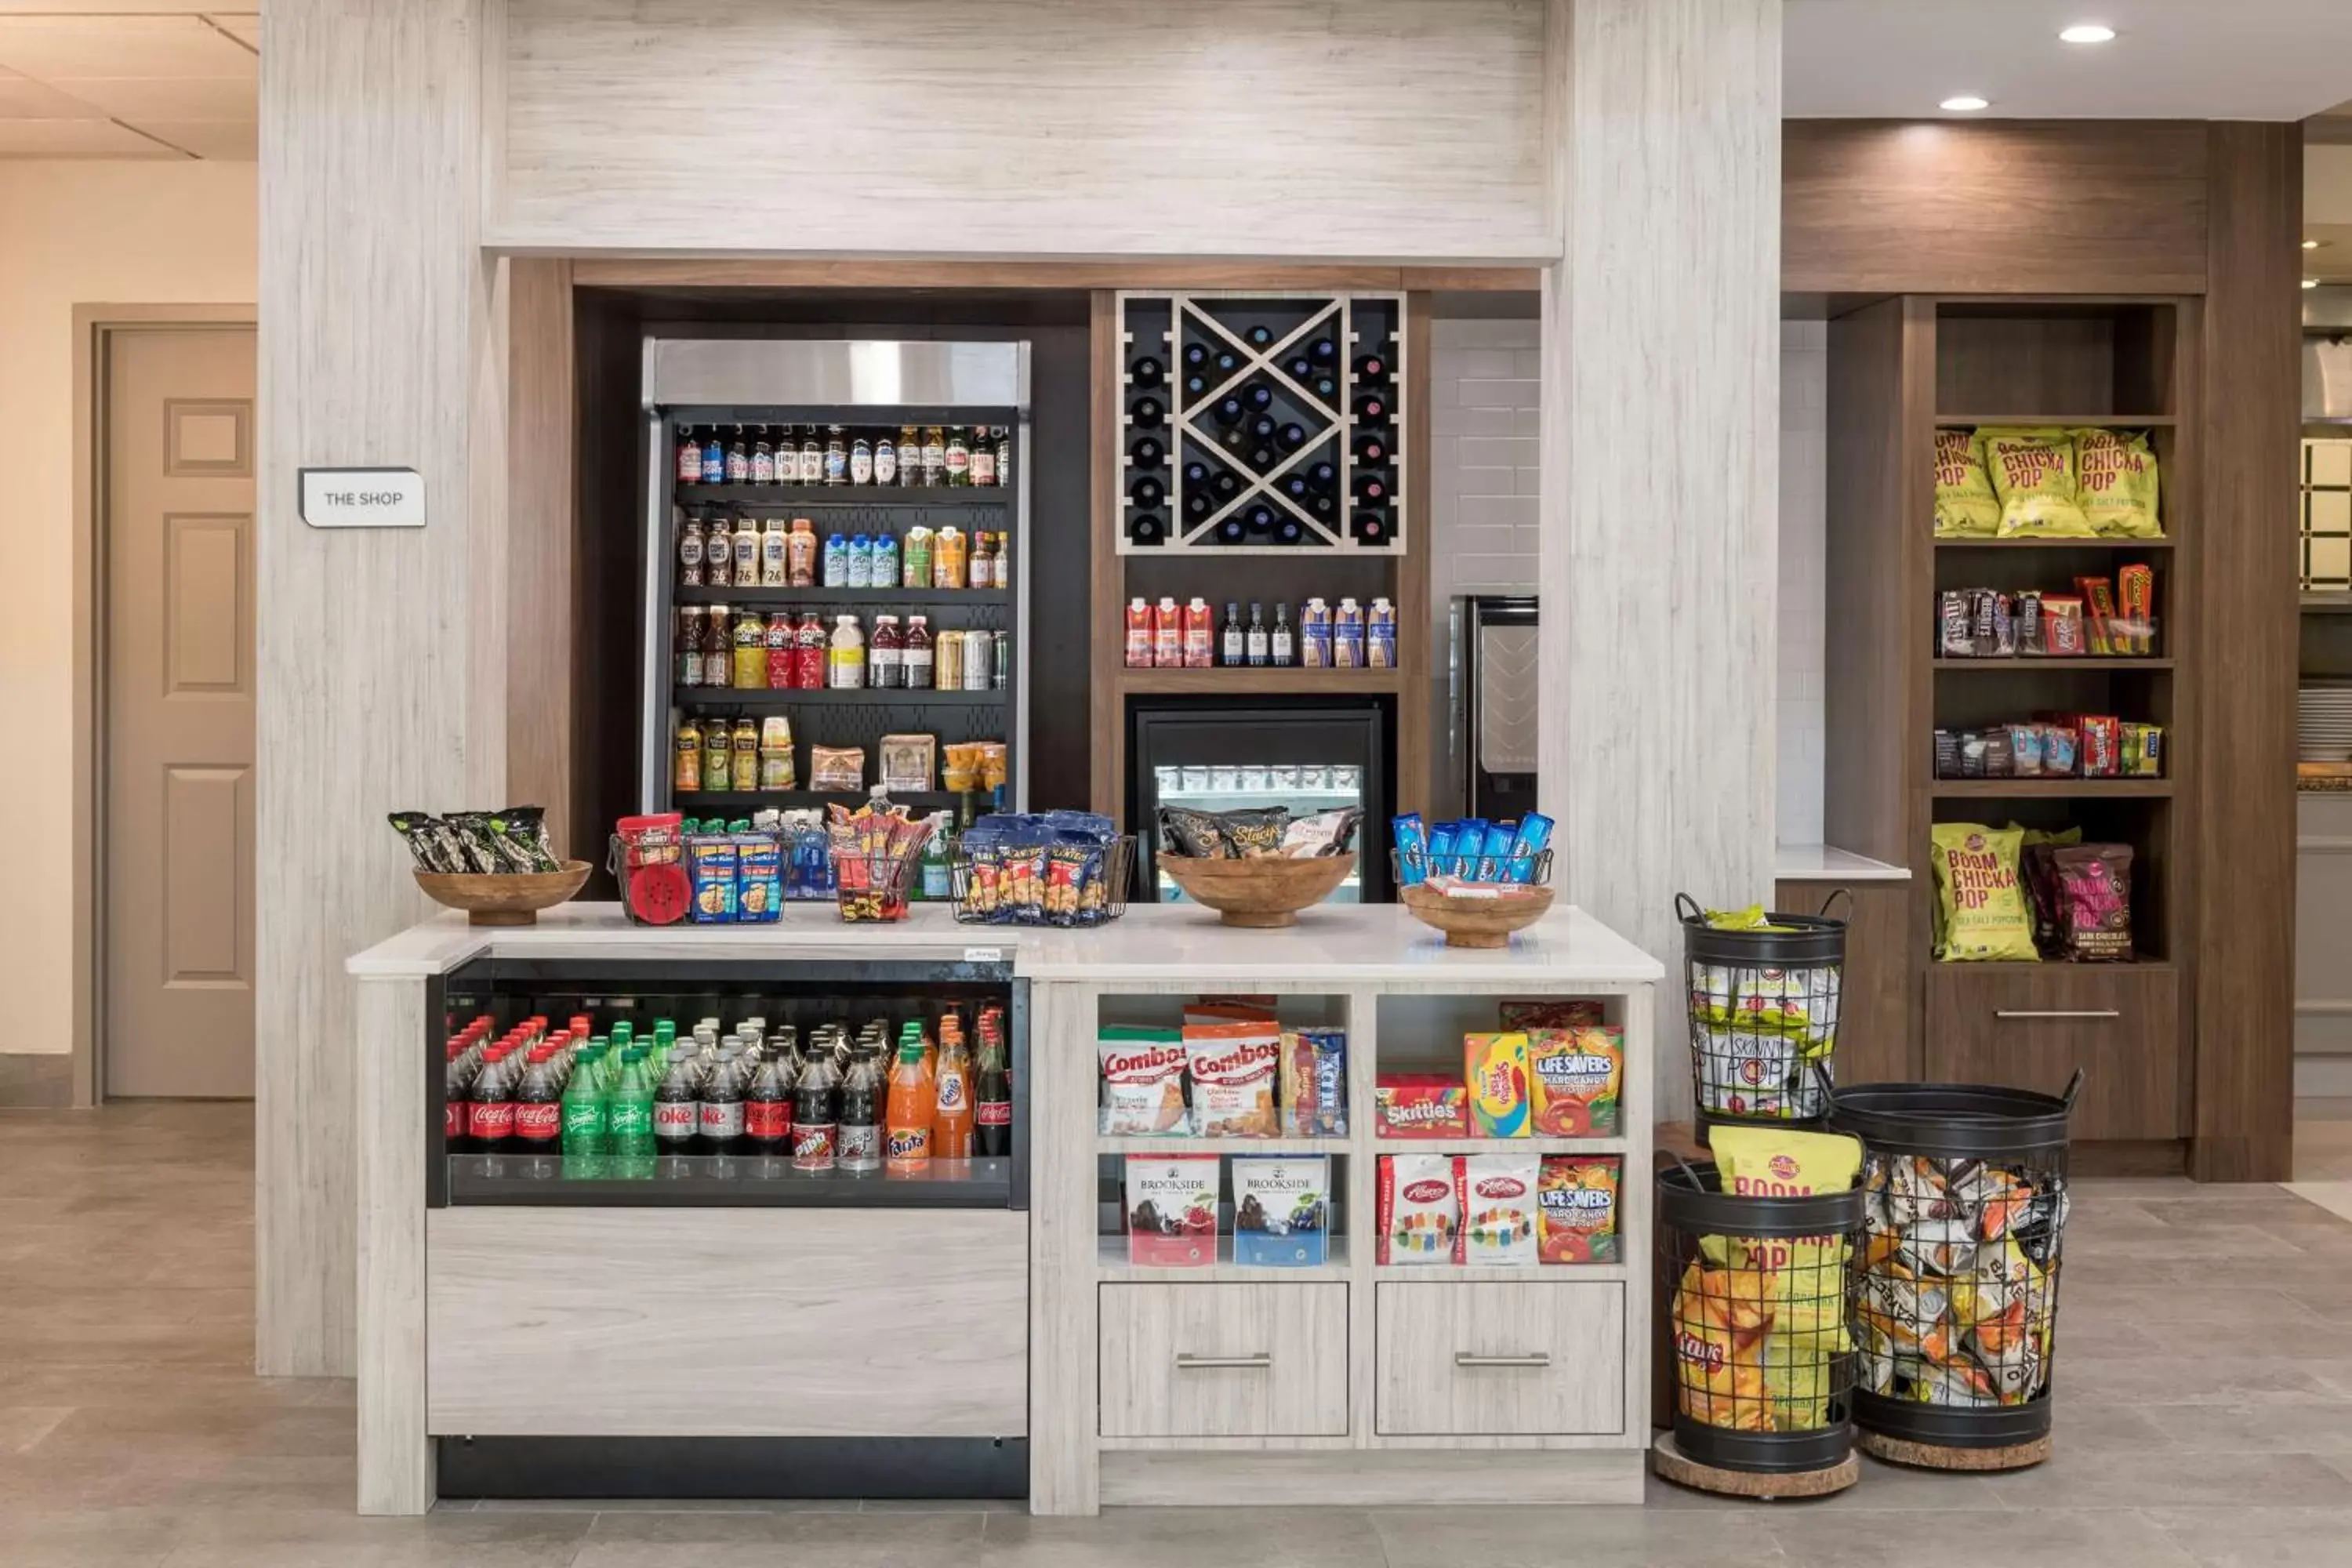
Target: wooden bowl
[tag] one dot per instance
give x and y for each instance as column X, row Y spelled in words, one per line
column 1475, row 923
column 514, row 899
column 1261, row 893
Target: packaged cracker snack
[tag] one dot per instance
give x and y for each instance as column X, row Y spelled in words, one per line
column 1982, row 911
column 1142, row 1081
column 1314, row 1083
column 2033, row 472
column 1577, row 1074
column 1569, row 1013
column 1171, row 1210
column 759, row 878
column 1498, row 1209
column 1420, row 1208
column 1281, row 1207
column 2115, row 474
column 1966, row 507
column 711, row 862
column 1234, row 1067
column 1576, row 1208
column 1420, row 1105
column 1495, row 1068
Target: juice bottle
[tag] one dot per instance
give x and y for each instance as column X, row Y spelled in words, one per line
column 775, row 555
column 1380, row 636
column 861, row 562
column 951, row 1123
column 718, row 754
column 1139, row 634
column 914, row 657
column 746, row 544
column 799, row 554
column 1200, row 636
column 718, row 648
column 847, row 660
column 915, row 559
column 947, row 558
column 750, row 652
column 1168, row 634
column 886, row 654
column 779, row 641
column 688, row 773
column 907, row 1122
column 809, row 653
column 835, row 572
column 747, row 756
column 1348, row 635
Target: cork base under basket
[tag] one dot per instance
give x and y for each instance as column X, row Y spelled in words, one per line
column 1669, row 1463
column 1940, row 1457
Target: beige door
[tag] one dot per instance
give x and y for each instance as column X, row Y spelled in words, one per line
column 178, row 532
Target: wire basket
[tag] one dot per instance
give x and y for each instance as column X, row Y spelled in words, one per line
column 871, row 885
column 1966, row 1212
column 1411, row 866
column 1759, row 1295
column 1065, row 885
column 1763, row 1016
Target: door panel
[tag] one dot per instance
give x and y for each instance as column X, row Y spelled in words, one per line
column 177, row 533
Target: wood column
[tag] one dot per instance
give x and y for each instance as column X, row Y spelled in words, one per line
column 375, row 319
column 1660, row 520
column 2246, row 629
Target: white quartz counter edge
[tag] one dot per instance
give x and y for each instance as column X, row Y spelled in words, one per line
column 1152, row 942
column 1823, row 863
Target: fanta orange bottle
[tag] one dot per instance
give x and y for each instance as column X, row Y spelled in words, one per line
column 951, row 1121
column 913, row 1104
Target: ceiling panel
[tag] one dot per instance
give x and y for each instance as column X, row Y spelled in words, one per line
column 247, row 29
column 141, row 99
column 229, row 141
column 21, row 98
column 51, row 48
column 75, row 139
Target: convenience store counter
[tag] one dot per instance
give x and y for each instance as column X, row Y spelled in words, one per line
column 755, row 1319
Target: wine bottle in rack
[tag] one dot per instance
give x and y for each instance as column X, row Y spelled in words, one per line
column 1325, row 385
column 1300, row 367
column 1293, row 485
column 1228, row 411
column 1144, row 529
column 1195, row 385
column 1259, row 336
column 1231, row 531
column 1227, row 361
column 1196, row 474
column 1324, row 507
column 1262, row 428
column 1291, row 437
column 1261, row 457
column 1198, row 504
column 1373, row 489
column 1227, row 484
column 1323, row 351
column 1259, row 395
column 1371, row 408
column 1147, row 452
column 1321, row 475
column 1147, row 493
column 1372, row 446
column 1370, row 525
column 1196, row 355
column 1371, row 367
column 1289, row 531
column 1259, row 518
column 1146, row 371
column 1148, row 412
column 1236, row 440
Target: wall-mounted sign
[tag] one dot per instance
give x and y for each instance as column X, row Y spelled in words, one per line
column 362, row 497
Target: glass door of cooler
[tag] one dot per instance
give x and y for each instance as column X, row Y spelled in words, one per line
column 1313, row 757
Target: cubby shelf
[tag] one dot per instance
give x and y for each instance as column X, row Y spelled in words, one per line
column 2053, row 789
column 1147, row 1143
column 1111, row 1262
column 2104, row 542
column 2084, row 663
column 2061, row 421
column 1498, row 1146
column 1502, row 1274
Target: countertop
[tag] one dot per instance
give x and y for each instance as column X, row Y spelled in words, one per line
column 1821, row 863
column 1151, row 942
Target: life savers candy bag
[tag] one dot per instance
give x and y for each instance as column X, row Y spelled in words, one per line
column 1576, row 1208
column 1420, row 1208
column 1498, row 1209
column 1171, row 1210
column 1980, row 910
column 2033, row 472
column 1577, row 1075
column 1495, row 1069
column 1966, row 507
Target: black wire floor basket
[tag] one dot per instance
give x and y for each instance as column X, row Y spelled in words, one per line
column 1759, row 1295
column 1764, row 1009
column 1957, row 1326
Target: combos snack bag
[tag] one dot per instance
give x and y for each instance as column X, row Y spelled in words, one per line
column 1495, row 1068
column 1577, row 1074
column 1234, row 1067
column 1142, row 1081
column 1498, row 1208
column 1981, row 912
column 1576, row 1209
column 1966, row 507
column 1171, row 1210
column 1419, row 1209
column 2117, row 475
column 2033, row 472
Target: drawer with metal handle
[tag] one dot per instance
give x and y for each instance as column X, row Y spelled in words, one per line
column 1500, row 1358
column 1223, row 1359
column 2034, row 1025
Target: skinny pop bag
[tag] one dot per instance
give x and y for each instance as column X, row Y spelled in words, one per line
column 2033, row 472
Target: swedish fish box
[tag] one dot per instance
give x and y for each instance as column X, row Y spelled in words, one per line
column 1495, row 1069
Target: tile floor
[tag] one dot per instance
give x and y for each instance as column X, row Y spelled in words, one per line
column 2205, row 1416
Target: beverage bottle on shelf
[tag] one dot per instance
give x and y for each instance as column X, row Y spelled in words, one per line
column 1255, row 640
column 456, row 1086
column 885, row 460
column 688, row 669
column 812, row 457
column 915, row 559
column 714, row 457
column 539, row 1116
column 1145, row 370
column 836, row 457
column 777, row 640
column 858, row 1145
column 768, row 1110
column 1370, row 525
column 1228, row 410
column 630, row 1117
column 719, row 1113
column 676, row 1109
column 835, row 571
column 1290, row 436
column 982, row 571
column 1315, row 635
column 845, row 663
column 1279, row 650
column 689, row 553
column 686, row 766
column 1168, row 634
column 1148, row 452
column 861, row 562
column 816, row 1115
column 1146, row 413
column 739, row 457
column 1320, row 476
column 1380, row 636
column 775, row 555
column 910, row 456
column 1147, row 493
column 799, row 554
column 992, row 1112
column 1004, row 476
column 861, row 461
column 1348, row 635
column 763, row 457
column 1258, row 519
column 689, row 456
column 717, row 647
column 1138, row 634
column 490, row 1107
column 913, row 1105
column 885, row 656
column 1231, row 531
column 744, row 555
column 939, row 882
column 751, row 643
column 948, row 558
column 1371, row 367
column 935, row 456
column 915, row 655
column 956, row 458
column 1232, row 642
column 809, row 653
column 1372, row 446
column 1371, row 407
column 787, row 456
column 951, row 1090
column 885, row 560
column 1199, row 636
column 587, row 1119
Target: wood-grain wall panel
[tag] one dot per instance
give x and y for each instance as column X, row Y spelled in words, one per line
column 1662, row 339
column 2002, row 207
column 2246, row 627
column 373, row 311
column 1381, row 129
column 542, row 565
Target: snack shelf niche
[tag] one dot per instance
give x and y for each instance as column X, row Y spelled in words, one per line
column 1152, row 1143
column 1112, row 1263
column 2054, row 789
column 1498, row 1146
column 2015, row 664
column 1489, row 1274
column 2061, row 421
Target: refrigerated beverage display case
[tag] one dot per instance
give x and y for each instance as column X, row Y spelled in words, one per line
column 837, row 556
column 1490, row 731
column 1309, row 757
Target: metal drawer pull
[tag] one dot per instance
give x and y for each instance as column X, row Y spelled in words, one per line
column 1464, row 1358
column 2055, row 1013
column 1186, row 1363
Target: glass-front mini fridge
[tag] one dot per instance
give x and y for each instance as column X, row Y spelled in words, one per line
column 1308, row 756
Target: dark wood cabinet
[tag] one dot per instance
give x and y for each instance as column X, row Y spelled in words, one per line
column 1878, row 1002
column 2032, row 1025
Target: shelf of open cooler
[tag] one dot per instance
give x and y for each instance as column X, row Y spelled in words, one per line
column 844, row 495
column 781, row 598
column 1238, row 799
column 1111, row 1262
column 920, row 802
column 873, row 696
column 702, row 1181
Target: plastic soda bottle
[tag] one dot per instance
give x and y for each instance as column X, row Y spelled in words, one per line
column 952, row 1116
column 629, row 1119
column 914, row 1103
column 587, row 1113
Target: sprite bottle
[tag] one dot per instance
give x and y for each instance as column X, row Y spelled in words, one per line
column 587, row 1134
column 629, row 1119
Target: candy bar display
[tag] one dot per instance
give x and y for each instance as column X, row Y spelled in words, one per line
column 2050, row 483
column 1764, row 993
column 493, row 842
column 2103, row 617
column 1055, row 868
column 2052, row 745
column 875, row 852
column 859, row 455
column 1222, row 1077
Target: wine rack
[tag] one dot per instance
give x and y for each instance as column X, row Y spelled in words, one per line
column 1254, row 423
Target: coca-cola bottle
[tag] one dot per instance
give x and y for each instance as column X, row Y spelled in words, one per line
column 859, row 1143
column 490, row 1114
column 539, row 1116
column 993, row 1113
column 768, row 1110
column 719, row 1111
column 457, row 1088
column 677, row 1115
column 816, row 1115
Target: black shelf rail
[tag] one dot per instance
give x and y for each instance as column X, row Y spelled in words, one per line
column 871, row 696
column 927, row 599
column 844, row 495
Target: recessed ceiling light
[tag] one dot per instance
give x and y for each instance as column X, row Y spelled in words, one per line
column 1965, row 103
column 2089, row 33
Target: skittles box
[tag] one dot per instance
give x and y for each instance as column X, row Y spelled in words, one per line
column 1495, row 1069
